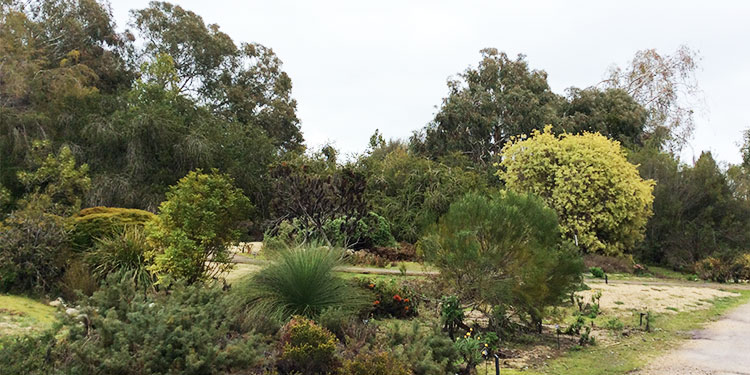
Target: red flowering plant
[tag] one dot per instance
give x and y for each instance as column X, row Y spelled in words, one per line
column 391, row 299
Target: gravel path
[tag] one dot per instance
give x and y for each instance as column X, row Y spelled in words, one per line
column 722, row 348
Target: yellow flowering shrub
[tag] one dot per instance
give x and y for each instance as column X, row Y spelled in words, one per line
column 598, row 195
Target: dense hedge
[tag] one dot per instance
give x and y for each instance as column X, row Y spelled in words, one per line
column 97, row 222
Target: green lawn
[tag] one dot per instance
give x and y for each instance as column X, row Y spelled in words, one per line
column 20, row 315
column 632, row 353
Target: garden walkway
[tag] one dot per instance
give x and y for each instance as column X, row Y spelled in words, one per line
column 722, row 348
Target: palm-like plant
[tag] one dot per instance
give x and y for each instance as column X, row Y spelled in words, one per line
column 301, row 281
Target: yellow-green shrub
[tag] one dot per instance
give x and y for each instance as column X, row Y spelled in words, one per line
column 307, row 348
column 713, row 269
column 97, row 222
column 598, row 195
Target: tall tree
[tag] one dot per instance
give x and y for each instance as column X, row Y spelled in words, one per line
column 611, row 112
column 244, row 83
column 666, row 85
column 486, row 106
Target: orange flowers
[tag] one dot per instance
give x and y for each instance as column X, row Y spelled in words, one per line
column 376, row 303
column 397, row 298
column 372, row 286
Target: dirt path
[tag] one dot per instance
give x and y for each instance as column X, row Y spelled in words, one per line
column 722, row 348
column 239, row 258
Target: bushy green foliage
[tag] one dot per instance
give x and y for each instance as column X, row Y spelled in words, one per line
column 300, row 281
column 94, row 223
column 26, row 354
column 370, row 231
column 598, row 195
column 392, row 299
column 307, row 348
column 380, row 363
column 33, row 248
column 426, row 350
column 696, row 213
column 451, row 314
column 597, row 272
column 611, row 112
column 140, row 114
column 120, row 330
column 412, row 192
column 124, row 250
column 504, row 251
column 196, row 224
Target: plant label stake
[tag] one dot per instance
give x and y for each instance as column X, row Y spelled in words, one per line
column 640, row 324
column 557, row 329
column 606, row 280
column 497, row 364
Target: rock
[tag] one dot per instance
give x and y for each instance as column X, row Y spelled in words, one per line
column 72, row 312
column 56, row 303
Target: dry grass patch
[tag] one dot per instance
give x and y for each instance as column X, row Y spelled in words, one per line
column 662, row 299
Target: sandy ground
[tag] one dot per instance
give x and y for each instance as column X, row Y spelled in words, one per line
column 622, row 299
column 722, row 348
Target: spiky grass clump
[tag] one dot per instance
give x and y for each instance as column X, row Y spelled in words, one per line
column 301, row 281
column 123, row 251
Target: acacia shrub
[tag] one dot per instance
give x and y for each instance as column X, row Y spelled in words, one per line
column 600, row 199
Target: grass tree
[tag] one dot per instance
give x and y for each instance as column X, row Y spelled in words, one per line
column 301, row 281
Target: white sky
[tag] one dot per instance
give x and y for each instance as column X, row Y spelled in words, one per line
column 359, row 66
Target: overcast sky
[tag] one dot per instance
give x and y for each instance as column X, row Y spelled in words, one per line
column 358, row 66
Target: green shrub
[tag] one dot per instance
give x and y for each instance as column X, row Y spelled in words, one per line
column 371, row 231
column 615, row 324
column 124, row 250
column 504, row 251
column 26, row 354
column 597, row 272
column 300, row 281
column 380, row 363
column 451, row 314
column 33, row 250
column 93, row 223
column 412, row 192
column 425, row 349
column 470, row 350
column 392, row 299
column 121, row 330
column 196, row 224
column 306, row 348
